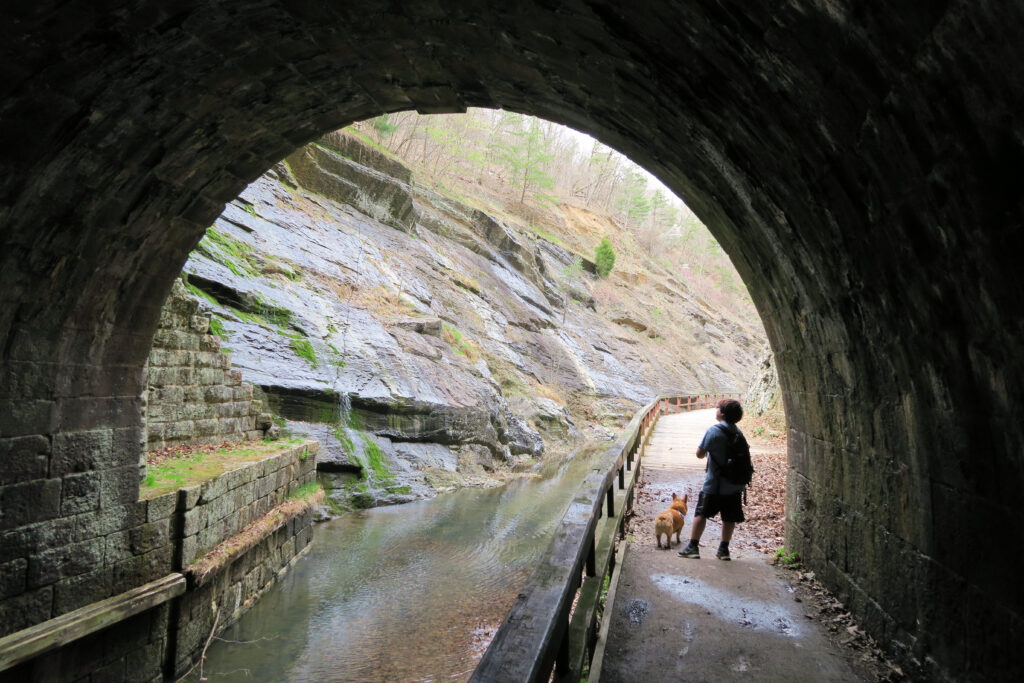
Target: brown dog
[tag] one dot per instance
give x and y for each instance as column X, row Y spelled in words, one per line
column 671, row 521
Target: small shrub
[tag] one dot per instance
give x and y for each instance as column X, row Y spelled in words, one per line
column 604, row 257
column 787, row 558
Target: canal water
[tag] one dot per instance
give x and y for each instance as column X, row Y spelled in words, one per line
column 402, row 593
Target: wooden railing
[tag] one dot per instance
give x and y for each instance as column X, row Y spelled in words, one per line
column 538, row 634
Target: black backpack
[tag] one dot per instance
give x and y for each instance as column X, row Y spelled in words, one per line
column 738, row 468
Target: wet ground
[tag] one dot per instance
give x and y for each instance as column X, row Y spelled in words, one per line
column 676, row 619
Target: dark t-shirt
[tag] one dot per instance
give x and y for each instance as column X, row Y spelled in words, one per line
column 714, row 442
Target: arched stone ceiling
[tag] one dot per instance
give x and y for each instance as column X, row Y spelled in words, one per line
column 861, row 164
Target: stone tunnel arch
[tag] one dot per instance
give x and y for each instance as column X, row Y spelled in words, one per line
column 861, row 166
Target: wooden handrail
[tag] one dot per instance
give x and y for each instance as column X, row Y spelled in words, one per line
column 537, row 635
column 23, row 645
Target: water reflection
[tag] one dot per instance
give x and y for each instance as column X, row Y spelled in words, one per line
column 395, row 594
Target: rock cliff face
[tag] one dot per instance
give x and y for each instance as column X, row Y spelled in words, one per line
column 764, row 393
column 429, row 344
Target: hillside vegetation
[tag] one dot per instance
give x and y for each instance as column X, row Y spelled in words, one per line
column 566, row 186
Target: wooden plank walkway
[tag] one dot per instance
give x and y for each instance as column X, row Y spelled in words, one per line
column 675, row 619
column 673, row 445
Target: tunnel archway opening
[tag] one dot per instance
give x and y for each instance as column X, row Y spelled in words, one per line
column 838, row 145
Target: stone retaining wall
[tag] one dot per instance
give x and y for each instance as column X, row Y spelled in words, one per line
column 233, row 589
column 144, row 541
column 194, row 395
column 220, row 508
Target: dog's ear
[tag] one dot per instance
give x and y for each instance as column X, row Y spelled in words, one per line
column 686, row 497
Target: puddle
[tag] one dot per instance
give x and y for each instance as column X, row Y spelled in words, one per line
column 748, row 613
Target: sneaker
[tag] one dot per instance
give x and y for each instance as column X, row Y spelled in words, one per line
column 692, row 550
column 723, row 553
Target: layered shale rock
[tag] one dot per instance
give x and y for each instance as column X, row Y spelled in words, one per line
column 424, row 342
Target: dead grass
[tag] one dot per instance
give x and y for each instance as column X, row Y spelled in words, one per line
column 228, row 550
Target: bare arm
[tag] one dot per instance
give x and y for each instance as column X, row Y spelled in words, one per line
column 701, row 452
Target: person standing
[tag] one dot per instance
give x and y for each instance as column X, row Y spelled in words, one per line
column 718, row 493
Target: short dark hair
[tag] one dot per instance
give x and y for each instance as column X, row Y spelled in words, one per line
column 731, row 409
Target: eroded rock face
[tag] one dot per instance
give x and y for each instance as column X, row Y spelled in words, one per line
column 372, row 311
column 764, row 393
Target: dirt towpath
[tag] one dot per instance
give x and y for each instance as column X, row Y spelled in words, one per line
column 676, row 619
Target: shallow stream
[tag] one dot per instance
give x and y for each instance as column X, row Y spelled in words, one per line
column 401, row 593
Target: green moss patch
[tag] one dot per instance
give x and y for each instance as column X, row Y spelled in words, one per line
column 303, row 349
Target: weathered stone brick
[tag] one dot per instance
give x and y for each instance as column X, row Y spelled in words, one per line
column 199, row 324
column 208, row 359
column 196, row 520
column 80, row 493
column 140, row 569
column 64, row 561
column 119, row 485
column 189, row 550
column 78, row 591
column 108, row 520
column 28, row 502
column 211, row 490
column 149, row 536
column 161, row 507
column 89, row 413
column 144, row 663
column 161, row 395
column 24, row 458
column 179, row 430
column 25, row 610
column 13, row 577
column 242, row 392
column 193, row 394
column 207, row 427
column 189, row 496
column 217, row 394
column 26, row 417
column 82, row 451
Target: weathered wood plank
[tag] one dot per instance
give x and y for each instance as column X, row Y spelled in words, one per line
column 584, row 618
column 35, row 640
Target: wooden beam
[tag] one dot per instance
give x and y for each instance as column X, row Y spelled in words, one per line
column 23, row 645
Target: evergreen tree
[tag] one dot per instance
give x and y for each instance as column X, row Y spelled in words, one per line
column 604, row 257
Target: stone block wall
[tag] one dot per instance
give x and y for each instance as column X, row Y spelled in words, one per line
column 194, row 395
column 222, row 507
column 141, row 542
column 236, row 587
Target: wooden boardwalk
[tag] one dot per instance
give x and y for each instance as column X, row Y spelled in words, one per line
column 673, row 445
